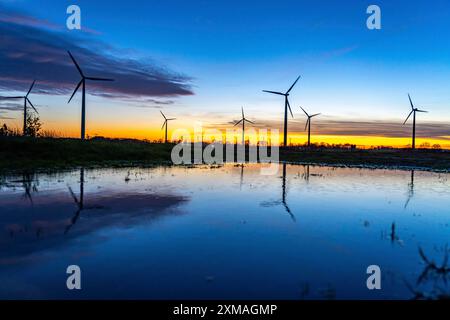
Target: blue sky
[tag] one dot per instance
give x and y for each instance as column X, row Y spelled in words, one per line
column 231, row 50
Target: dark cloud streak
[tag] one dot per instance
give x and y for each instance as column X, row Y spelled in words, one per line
column 380, row 128
column 35, row 51
column 376, row 128
column 11, row 106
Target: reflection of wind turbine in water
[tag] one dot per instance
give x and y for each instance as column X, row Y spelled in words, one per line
column 410, row 189
column 242, row 176
column 28, row 184
column 79, row 202
column 306, row 174
column 283, row 197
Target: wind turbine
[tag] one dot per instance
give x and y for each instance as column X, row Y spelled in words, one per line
column 166, row 120
column 83, row 103
column 413, row 112
column 243, row 125
column 308, row 124
column 286, row 106
column 26, row 100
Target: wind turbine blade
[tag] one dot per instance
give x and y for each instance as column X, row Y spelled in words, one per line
column 293, row 85
column 306, row 125
column 410, row 101
column 75, row 91
column 314, row 115
column 32, row 85
column 409, row 115
column 289, row 106
column 289, row 211
column 163, row 114
column 274, row 92
column 99, row 79
column 28, row 100
column 164, row 124
column 171, row 119
column 242, row 109
column 249, row 121
column 238, row 122
column 305, row 112
column 4, row 98
column 73, row 195
column 76, row 64
column 421, row 111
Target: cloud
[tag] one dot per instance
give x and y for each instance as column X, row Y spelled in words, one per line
column 5, row 118
column 31, row 48
column 380, row 128
column 10, row 106
column 339, row 52
column 375, row 128
column 24, row 20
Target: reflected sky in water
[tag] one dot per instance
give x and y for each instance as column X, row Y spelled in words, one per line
column 222, row 232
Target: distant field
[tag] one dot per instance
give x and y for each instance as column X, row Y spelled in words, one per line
column 18, row 153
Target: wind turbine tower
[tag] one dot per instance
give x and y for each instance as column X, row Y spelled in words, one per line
column 286, row 107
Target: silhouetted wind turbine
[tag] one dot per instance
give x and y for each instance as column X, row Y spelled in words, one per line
column 308, row 124
column 83, row 101
column 413, row 112
column 286, row 106
column 166, row 120
column 243, row 125
column 26, row 100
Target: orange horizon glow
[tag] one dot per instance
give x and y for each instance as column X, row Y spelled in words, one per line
column 294, row 138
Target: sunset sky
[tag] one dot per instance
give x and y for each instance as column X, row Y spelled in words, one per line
column 203, row 60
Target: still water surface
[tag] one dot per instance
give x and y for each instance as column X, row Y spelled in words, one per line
column 223, row 232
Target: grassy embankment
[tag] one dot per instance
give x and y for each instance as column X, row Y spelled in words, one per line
column 17, row 153
column 28, row 153
column 437, row 160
